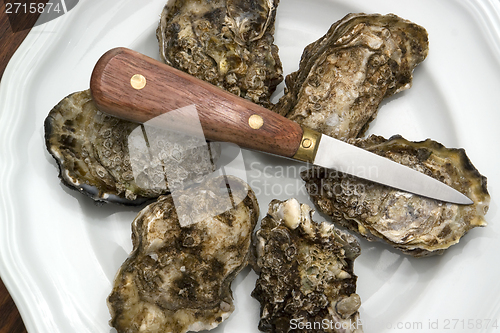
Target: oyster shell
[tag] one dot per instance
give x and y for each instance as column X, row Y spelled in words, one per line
column 228, row 43
column 305, row 272
column 178, row 279
column 108, row 159
column 415, row 225
column 345, row 75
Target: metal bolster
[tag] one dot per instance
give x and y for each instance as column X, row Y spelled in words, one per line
column 308, row 145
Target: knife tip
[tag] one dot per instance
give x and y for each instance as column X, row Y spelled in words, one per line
column 458, row 198
column 466, row 201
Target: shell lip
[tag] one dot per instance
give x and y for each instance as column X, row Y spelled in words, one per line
column 89, row 190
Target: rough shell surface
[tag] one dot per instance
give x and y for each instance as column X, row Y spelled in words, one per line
column 345, row 75
column 177, row 278
column 108, row 158
column 415, row 225
column 305, row 272
column 228, row 43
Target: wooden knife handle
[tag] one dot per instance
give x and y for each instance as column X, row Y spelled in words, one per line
column 134, row 87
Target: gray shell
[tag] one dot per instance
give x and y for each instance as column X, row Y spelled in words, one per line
column 345, row 75
column 415, row 225
column 177, row 278
column 305, row 271
column 228, row 43
column 108, row 159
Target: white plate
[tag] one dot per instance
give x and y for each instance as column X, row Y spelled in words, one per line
column 59, row 252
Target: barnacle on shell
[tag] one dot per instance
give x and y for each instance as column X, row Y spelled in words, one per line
column 345, row 75
column 114, row 160
column 228, row 43
column 306, row 273
column 415, row 225
column 178, row 276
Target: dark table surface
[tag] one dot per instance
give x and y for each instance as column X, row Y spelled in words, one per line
column 10, row 319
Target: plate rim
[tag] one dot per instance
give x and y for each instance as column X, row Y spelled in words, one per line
column 16, row 277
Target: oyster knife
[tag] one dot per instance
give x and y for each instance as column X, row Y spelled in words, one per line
column 134, row 87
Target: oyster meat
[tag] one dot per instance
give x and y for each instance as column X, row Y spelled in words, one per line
column 228, row 43
column 115, row 160
column 306, row 281
column 345, row 75
column 415, row 225
column 177, row 278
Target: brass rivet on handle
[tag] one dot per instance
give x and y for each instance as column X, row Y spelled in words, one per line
column 255, row 121
column 138, row 81
column 307, row 143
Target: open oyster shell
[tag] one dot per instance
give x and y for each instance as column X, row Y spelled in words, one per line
column 345, row 75
column 178, row 278
column 228, row 43
column 415, row 225
column 305, row 272
column 110, row 159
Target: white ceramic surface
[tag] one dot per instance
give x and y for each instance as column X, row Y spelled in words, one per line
column 59, row 251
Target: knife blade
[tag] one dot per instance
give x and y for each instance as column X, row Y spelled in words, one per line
column 132, row 86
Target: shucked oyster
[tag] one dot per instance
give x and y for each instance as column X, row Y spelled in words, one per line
column 178, row 278
column 228, row 43
column 306, row 281
column 344, row 76
column 417, row 226
column 110, row 159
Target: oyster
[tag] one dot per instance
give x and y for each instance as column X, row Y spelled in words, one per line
column 177, row 278
column 228, row 43
column 344, row 76
column 415, row 225
column 306, row 277
column 108, row 158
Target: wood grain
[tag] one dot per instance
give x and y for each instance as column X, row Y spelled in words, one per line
column 9, row 41
column 10, row 319
column 223, row 116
